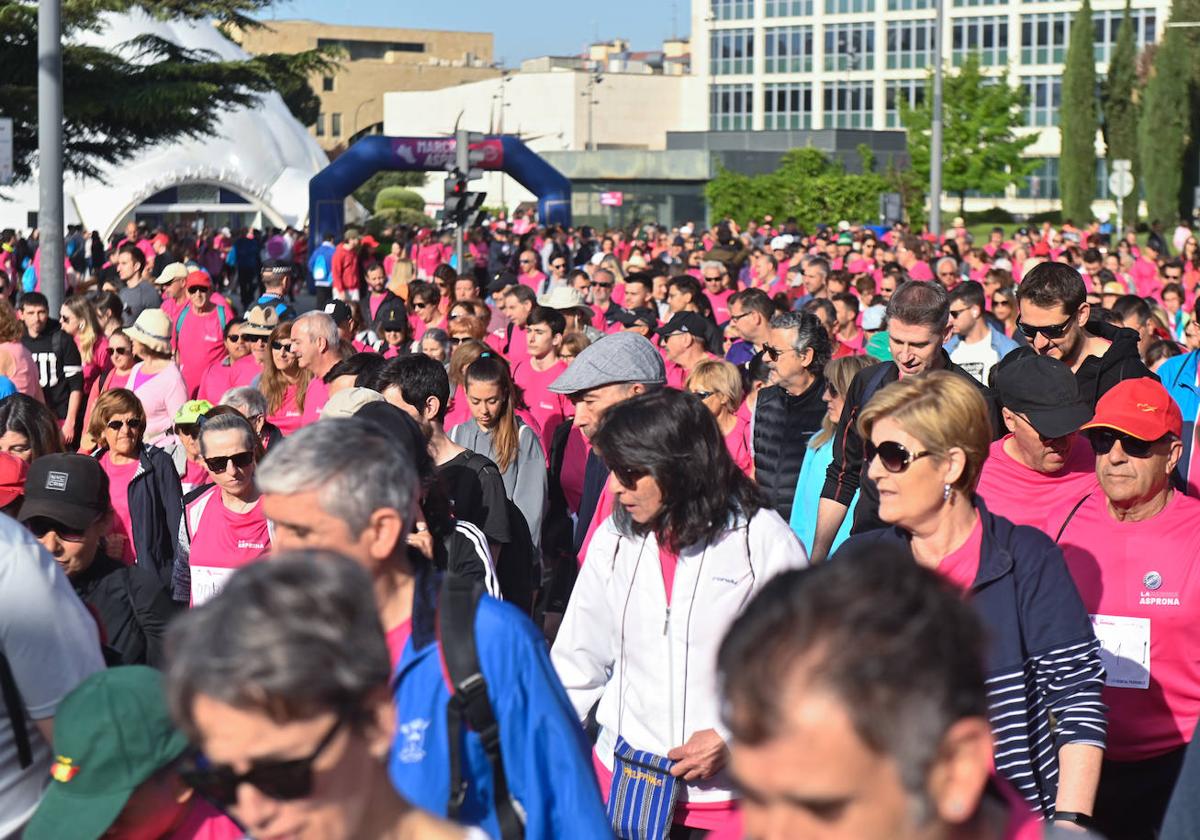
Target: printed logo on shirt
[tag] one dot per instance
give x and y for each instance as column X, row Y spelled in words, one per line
column 413, row 735
column 1152, row 597
column 1152, row 580
column 56, row 480
column 250, row 544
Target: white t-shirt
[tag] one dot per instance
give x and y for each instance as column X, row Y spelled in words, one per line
column 976, row 359
column 51, row 643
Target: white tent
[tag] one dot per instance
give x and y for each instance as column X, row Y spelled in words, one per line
column 263, row 154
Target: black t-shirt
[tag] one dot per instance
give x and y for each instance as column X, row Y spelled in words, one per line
column 476, row 490
column 60, row 369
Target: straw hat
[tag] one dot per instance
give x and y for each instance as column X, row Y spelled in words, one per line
column 153, row 329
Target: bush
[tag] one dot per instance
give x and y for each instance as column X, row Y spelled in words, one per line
column 398, row 198
column 1054, row 217
column 990, row 216
column 380, row 222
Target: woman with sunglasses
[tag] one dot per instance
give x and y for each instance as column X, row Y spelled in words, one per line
column 184, row 449
column 718, row 384
column 424, row 301
column 156, row 379
column 223, row 527
column 690, row 540
column 1004, row 309
column 283, row 382
column 122, row 360
column 78, row 320
column 28, row 429
column 68, row 510
column 926, row 439
column 143, row 485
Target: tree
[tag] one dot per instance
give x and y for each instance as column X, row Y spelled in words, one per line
column 398, row 198
column 1163, row 127
column 120, row 98
column 980, row 149
column 1121, row 108
column 365, row 195
column 1078, row 124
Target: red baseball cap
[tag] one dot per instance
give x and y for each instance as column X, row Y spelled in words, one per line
column 1138, row 407
column 198, row 278
column 12, row 478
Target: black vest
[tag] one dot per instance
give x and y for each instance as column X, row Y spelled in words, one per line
column 783, row 425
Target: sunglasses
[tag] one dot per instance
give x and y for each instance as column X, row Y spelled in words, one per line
column 419, row 304
column 629, row 477
column 39, row 527
column 1103, row 441
column 703, row 394
column 954, row 313
column 282, row 346
column 235, row 338
column 558, row 265
column 119, row 351
column 218, row 463
column 526, row 262
column 895, row 457
column 1052, row 331
column 116, row 425
column 195, row 289
column 601, row 285
column 187, row 429
column 282, row 781
column 773, row 353
column 1000, row 302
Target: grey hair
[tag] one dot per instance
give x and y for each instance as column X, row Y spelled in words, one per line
column 819, row 263
column 320, row 325
column 249, row 401
column 810, row 332
column 950, row 260
column 295, row 636
column 226, row 423
column 708, row 265
column 355, row 469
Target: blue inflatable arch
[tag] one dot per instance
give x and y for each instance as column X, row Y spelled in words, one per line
column 328, row 189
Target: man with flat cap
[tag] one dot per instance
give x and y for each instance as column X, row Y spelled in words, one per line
column 1042, row 464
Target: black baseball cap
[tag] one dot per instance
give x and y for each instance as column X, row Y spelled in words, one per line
column 67, row 488
column 1042, row 389
column 392, row 318
column 501, row 280
column 643, row 315
column 692, row 323
column 339, row 311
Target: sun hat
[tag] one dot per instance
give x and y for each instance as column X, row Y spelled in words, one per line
column 153, row 329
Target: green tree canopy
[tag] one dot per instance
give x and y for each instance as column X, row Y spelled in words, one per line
column 1163, row 128
column 120, row 98
column 980, row 149
column 1121, row 107
column 365, row 195
column 1077, row 123
column 397, row 198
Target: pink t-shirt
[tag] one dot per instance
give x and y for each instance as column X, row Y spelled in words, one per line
column 573, row 467
column 920, row 271
column 1028, row 497
column 223, row 542
column 961, row 566
column 314, row 400
column 220, row 378
column 288, row 418
column 458, row 412
column 547, row 408
column 194, row 475
column 200, row 344
column 95, row 365
column 119, row 478
column 204, row 822
column 24, row 375
column 738, row 444
column 720, row 304
column 604, row 507
column 518, row 348
column 172, row 308
column 397, row 638
column 375, row 300
column 1141, row 584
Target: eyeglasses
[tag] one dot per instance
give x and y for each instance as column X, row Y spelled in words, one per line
column 40, row 526
column 1103, row 441
column 119, row 351
column 194, row 289
column 279, row 780
column 219, row 463
column 733, row 319
column 895, row 457
column 628, row 477
column 282, row 346
column 133, row 424
column 1052, row 331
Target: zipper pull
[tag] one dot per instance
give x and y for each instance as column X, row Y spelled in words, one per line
column 667, row 621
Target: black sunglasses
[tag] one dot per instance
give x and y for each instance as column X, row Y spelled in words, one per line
column 282, row 781
column 954, row 313
column 1103, row 440
column 39, row 526
column 235, row 338
column 282, row 346
column 193, row 289
column 218, row 463
column 602, row 285
column 133, row 424
column 895, row 457
column 258, row 339
column 629, row 477
column 703, row 394
column 1052, row 331
column 119, row 351
column 187, row 429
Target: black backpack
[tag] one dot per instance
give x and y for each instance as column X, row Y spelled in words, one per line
column 518, row 572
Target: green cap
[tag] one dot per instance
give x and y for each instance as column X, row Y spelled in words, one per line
column 192, row 410
column 111, row 734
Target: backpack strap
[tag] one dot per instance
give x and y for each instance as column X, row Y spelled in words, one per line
column 11, row 696
column 1070, row 516
column 875, row 382
column 469, row 701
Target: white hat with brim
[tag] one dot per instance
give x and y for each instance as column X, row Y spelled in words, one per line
column 562, row 297
column 174, row 271
column 153, row 329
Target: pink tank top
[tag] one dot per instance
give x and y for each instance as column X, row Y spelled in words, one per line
column 24, row 374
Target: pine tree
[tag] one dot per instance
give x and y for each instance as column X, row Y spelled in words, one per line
column 1121, row 109
column 120, row 98
column 1163, row 127
column 1078, row 123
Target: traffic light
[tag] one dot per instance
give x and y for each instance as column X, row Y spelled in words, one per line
column 461, row 205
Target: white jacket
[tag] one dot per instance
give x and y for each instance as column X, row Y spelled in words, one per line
column 653, row 668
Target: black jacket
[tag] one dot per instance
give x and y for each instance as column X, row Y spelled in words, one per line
column 783, row 425
column 131, row 606
column 847, row 471
column 1121, row 361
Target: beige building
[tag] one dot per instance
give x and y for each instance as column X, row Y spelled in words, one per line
column 375, row 60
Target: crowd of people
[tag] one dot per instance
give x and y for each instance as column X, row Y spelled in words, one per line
column 348, row 543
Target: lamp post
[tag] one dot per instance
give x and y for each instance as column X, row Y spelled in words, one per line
column 590, row 94
column 935, row 140
column 50, row 152
column 356, row 110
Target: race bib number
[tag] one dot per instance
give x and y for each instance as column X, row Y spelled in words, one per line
column 1124, row 650
column 207, row 581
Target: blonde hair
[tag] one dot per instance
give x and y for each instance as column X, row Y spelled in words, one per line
column 721, row 378
column 89, row 324
column 839, row 373
column 574, row 343
column 942, row 410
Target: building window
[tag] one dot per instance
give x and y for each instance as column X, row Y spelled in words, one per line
column 787, row 106
column 911, row 91
column 732, row 52
column 320, row 126
column 908, row 5
column 732, row 9
column 848, row 7
column 850, row 46
column 356, row 50
column 729, row 107
column 849, row 104
column 1108, row 24
column 327, row 84
column 1044, row 38
column 1043, row 183
column 986, row 37
column 788, row 49
column 1044, row 100
column 789, row 8
column 335, row 125
column 910, row 44
column 969, row 3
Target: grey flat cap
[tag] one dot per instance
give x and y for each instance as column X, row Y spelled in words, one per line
column 620, row 357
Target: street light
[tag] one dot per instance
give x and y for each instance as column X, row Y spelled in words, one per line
column 356, row 110
column 594, row 79
column 935, row 140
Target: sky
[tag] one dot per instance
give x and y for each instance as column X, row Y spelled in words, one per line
column 522, row 28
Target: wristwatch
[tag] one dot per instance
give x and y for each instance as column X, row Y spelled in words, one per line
column 1082, row 820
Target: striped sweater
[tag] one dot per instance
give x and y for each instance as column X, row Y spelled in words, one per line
column 1043, row 668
